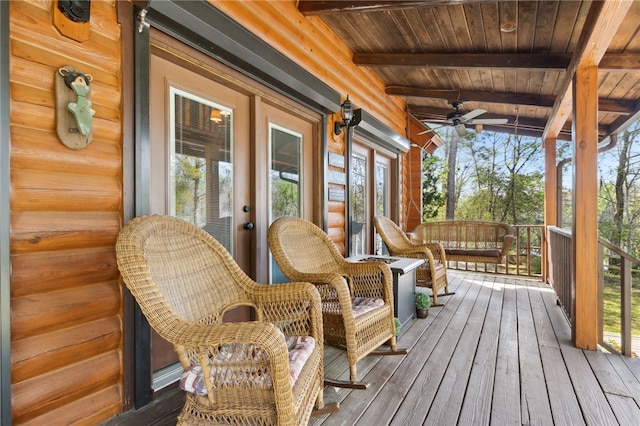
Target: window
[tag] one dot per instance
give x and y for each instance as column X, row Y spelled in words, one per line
column 201, row 171
column 370, row 194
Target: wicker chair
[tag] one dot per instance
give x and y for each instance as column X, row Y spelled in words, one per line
column 433, row 272
column 303, row 251
column 235, row 373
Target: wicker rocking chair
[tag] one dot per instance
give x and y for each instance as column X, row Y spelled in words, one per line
column 433, row 272
column 268, row 371
column 357, row 297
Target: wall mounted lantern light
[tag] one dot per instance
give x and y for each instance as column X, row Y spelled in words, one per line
column 347, row 116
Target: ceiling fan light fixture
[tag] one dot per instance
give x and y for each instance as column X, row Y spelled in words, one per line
column 508, row 27
column 215, row 116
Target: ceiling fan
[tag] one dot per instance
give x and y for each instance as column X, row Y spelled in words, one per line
column 459, row 120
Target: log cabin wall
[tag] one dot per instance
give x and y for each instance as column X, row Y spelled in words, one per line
column 308, row 42
column 67, row 205
column 66, row 209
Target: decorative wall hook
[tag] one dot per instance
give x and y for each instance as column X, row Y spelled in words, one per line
column 74, row 115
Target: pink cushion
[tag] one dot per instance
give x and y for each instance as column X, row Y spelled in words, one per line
column 362, row 305
column 299, row 348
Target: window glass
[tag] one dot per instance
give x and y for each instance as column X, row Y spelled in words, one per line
column 201, row 172
column 285, row 151
column 358, row 204
column 381, row 197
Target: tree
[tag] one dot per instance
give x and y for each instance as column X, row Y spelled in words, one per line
column 619, row 201
column 452, row 161
column 189, row 194
column 432, row 196
column 496, row 177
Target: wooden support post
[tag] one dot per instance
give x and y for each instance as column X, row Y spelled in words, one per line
column 550, row 194
column 585, row 207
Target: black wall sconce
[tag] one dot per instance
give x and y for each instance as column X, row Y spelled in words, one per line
column 347, row 117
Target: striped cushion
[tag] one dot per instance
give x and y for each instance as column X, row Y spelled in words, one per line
column 362, row 305
column 299, row 347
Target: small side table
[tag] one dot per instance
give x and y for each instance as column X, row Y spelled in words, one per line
column 404, row 283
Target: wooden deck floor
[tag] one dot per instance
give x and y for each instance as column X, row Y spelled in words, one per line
column 498, row 353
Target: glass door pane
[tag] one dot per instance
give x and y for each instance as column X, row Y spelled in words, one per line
column 201, row 170
column 358, row 202
column 382, row 201
column 285, row 183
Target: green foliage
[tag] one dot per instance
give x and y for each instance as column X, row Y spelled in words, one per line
column 611, row 308
column 190, row 188
column 284, row 198
column 432, row 196
column 398, row 325
column 619, row 192
column 498, row 178
column 423, row 301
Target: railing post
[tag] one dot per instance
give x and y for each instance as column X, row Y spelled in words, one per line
column 625, row 306
column 601, row 294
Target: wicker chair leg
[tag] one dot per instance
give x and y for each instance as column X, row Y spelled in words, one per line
column 332, row 407
column 344, row 384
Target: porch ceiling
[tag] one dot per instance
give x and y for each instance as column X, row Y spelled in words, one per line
column 515, row 59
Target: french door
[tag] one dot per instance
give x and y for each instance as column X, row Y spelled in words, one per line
column 228, row 160
column 370, row 195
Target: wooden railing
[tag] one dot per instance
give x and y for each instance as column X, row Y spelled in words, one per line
column 617, row 273
column 559, row 273
column 526, row 257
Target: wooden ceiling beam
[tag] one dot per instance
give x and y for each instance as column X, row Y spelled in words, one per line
column 470, row 95
column 610, row 62
column 526, row 126
column 600, row 27
column 621, row 62
column 335, row 7
column 424, row 113
column 529, row 61
column 612, row 106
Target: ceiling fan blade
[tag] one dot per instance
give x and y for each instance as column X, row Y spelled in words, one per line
column 488, row 121
column 431, row 129
column 472, row 114
column 461, row 130
column 435, row 120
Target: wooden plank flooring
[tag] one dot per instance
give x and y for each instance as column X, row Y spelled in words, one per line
column 498, row 353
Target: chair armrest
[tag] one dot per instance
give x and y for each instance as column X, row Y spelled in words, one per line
column 295, row 307
column 506, row 246
column 438, row 251
column 333, row 289
column 422, row 251
column 369, row 279
column 200, row 343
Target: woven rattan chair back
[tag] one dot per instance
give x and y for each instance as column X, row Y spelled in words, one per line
column 301, row 246
column 185, row 281
column 394, row 238
column 304, row 252
column 183, row 273
column 433, row 273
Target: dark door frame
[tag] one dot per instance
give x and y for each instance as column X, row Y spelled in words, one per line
column 199, row 24
column 5, row 185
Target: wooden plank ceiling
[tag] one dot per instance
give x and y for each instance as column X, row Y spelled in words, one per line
column 514, row 59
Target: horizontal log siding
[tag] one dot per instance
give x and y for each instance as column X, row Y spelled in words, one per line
column 308, row 42
column 66, row 209
column 413, row 188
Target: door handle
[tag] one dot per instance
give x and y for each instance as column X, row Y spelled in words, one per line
column 248, row 225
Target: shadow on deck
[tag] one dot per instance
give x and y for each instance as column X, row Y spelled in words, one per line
column 499, row 352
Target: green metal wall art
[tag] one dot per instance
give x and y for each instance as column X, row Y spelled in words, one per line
column 74, row 115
